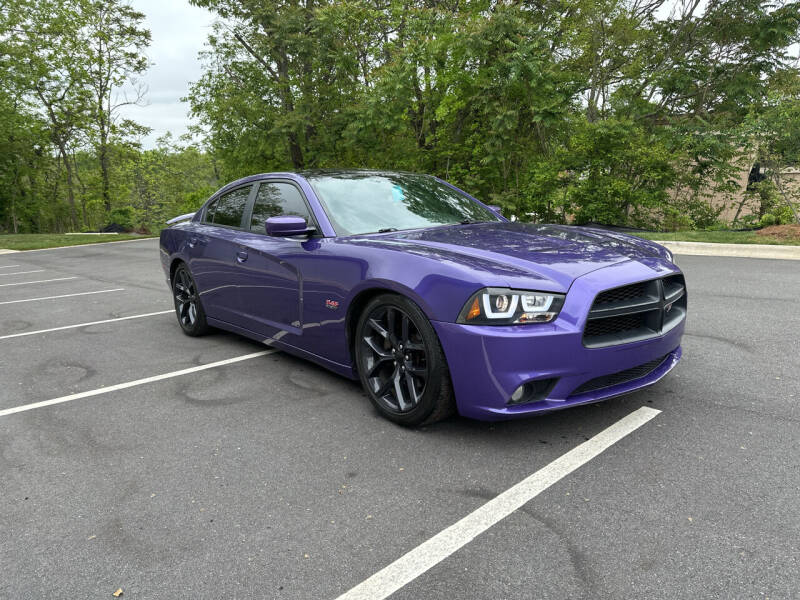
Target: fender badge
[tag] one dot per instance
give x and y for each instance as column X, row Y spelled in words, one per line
column 331, row 304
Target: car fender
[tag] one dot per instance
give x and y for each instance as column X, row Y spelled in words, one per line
column 389, row 286
column 436, row 280
column 172, row 247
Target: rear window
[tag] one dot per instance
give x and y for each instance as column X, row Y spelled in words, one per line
column 229, row 208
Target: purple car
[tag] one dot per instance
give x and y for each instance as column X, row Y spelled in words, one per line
column 435, row 301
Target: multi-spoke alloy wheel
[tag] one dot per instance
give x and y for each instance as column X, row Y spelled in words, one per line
column 401, row 363
column 187, row 303
column 396, row 362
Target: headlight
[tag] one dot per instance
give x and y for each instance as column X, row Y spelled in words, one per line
column 501, row 306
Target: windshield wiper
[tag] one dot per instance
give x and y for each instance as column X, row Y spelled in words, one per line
column 387, row 229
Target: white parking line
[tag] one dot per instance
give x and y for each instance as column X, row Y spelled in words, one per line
column 430, row 553
column 39, row 281
column 9, row 266
column 21, row 272
column 24, row 333
column 128, row 384
column 63, row 296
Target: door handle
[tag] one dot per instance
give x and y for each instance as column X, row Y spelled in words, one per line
column 241, row 256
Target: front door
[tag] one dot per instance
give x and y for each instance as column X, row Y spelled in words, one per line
column 271, row 296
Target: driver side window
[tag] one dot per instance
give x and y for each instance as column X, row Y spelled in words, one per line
column 275, row 200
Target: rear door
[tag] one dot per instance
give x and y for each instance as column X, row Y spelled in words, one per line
column 214, row 254
column 271, row 291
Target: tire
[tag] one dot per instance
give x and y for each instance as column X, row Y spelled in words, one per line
column 401, row 363
column 188, row 308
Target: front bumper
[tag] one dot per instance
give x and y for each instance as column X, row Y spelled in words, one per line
column 488, row 363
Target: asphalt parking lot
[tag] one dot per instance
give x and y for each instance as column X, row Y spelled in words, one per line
column 272, row 478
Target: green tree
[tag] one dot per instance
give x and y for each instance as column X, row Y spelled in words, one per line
column 115, row 41
column 280, row 76
column 68, row 60
column 165, row 181
column 44, row 44
column 625, row 111
column 774, row 132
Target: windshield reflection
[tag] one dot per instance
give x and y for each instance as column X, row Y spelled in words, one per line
column 359, row 203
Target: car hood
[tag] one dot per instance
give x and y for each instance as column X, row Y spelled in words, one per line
column 516, row 250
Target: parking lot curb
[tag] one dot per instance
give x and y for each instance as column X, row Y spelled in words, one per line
column 733, row 250
column 141, row 239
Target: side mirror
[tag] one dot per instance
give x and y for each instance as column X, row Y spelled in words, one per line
column 495, row 208
column 285, row 226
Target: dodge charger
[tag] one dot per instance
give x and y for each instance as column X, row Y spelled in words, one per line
column 432, row 299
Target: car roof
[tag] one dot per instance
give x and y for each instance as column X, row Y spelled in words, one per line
column 311, row 174
column 353, row 172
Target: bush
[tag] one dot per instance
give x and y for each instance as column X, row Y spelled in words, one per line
column 767, row 220
column 125, row 217
column 676, row 220
column 784, row 215
column 620, row 173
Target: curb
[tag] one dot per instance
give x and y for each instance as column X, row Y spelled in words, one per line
column 142, row 239
column 733, row 250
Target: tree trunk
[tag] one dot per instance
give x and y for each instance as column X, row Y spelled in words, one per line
column 82, row 189
column 295, row 151
column 103, row 155
column 73, row 214
column 591, row 106
column 287, row 101
column 14, row 215
column 739, row 210
column 17, row 187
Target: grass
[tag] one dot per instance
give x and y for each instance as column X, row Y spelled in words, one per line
column 720, row 237
column 36, row 241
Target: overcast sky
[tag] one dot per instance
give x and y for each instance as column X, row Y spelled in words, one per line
column 179, row 31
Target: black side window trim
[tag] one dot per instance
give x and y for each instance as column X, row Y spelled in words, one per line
column 248, row 211
column 247, row 207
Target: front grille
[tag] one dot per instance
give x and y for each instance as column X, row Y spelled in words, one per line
column 635, row 312
column 611, row 325
column 628, row 292
column 599, row 383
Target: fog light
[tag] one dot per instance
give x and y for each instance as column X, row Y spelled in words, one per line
column 518, row 393
column 535, row 390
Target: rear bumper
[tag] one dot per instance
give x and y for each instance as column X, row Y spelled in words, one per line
column 487, row 364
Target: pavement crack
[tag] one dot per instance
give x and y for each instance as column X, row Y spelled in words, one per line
column 738, row 344
column 577, row 557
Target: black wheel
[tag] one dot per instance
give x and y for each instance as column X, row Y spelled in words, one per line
column 401, row 363
column 189, row 310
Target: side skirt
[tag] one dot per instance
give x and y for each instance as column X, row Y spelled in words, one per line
column 338, row 368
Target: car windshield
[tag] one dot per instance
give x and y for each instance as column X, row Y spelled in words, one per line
column 369, row 203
